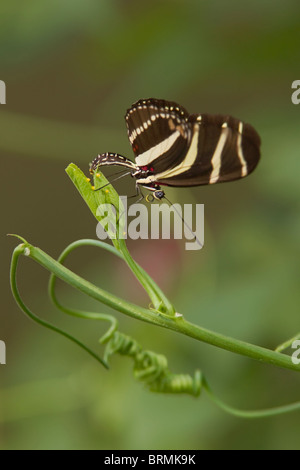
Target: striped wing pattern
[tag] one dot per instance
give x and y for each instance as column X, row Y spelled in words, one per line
column 159, row 133
column 189, row 150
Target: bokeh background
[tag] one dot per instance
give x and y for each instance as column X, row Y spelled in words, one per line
column 72, row 68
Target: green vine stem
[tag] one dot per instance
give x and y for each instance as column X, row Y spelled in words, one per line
column 174, row 323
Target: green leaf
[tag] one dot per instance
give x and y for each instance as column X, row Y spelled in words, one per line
column 104, row 204
column 83, row 185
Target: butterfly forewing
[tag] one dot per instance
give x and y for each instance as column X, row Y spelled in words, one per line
column 159, row 133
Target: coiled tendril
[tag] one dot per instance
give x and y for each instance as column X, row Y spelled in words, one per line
column 151, row 368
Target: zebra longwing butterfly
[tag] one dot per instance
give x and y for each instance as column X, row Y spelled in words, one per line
column 175, row 148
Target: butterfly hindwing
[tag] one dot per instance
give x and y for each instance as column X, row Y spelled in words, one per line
column 224, row 149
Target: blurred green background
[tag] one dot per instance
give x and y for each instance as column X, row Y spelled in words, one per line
column 72, row 68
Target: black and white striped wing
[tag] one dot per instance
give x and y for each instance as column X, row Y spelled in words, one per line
column 159, row 133
column 221, row 149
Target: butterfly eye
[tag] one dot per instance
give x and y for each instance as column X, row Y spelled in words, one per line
column 158, row 194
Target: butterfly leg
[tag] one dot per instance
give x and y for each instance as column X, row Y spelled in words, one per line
column 138, row 193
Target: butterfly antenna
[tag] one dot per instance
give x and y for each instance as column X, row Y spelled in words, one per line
column 185, row 223
column 115, row 179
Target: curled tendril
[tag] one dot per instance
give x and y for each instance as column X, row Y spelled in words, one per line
column 118, row 343
column 179, row 383
column 151, row 368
